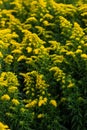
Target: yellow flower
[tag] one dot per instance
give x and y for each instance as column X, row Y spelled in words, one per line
column 45, row 23
column 31, row 19
column 22, row 57
column 3, row 127
column 84, row 56
column 43, row 92
column 1, row 56
column 45, row 100
column 1, row 3
column 77, row 38
column 17, row 51
column 53, row 102
column 63, row 99
column 36, row 51
column 78, row 51
column 22, row 110
column 40, row 116
column 31, row 104
column 82, row 42
column 42, row 3
column 29, row 60
column 85, row 45
column 5, row 97
column 49, row 16
column 64, row 22
column 79, row 47
column 12, row 89
column 70, row 53
column 15, row 102
column 29, row 49
column 33, row 94
column 42, row 102
column 8, row 59
column 71, row 85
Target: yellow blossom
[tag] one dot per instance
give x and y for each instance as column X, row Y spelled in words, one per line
column 45, row 99
column 12, row 89
column 16, row 51
column 5, row 97
column 29, row 49
column 42, row 101
column 1, row 55
column 22, row 109
column 85, row 45
column 42, row 3
column 40, row 98
column 45, row 23
column 3, row 127
column 70, row 53
column 43, row 92
column 31, row 104
column 77, row 38
column 40, row 116
column 8, row 59
column 31, row 19
column 32, row 94
column 1, row 2
column 22, row 57
column 27, row 92
column 70, row 85
column 63, row 99
column 79, row 47
column 53, row 102
column 29, row 60
column 82, row 42
column 15, row 101
column 84, row 56
column 49, row 16
column 36, row 51
column 78, row 51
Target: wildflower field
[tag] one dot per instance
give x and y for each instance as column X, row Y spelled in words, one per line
column 43, row 65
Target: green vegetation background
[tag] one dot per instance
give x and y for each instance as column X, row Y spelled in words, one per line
column 43, row 64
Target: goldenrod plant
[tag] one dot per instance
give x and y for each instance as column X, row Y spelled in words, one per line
column 43, row 65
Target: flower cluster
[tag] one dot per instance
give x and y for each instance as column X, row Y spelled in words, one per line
column 3, row 127
column 43, row 64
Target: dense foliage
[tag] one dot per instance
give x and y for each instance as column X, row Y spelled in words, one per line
column 43, row 65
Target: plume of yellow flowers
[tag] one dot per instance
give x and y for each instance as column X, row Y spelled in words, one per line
column 15, row 101
column 3, row 127
column 5, row 97
column 53, row 102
